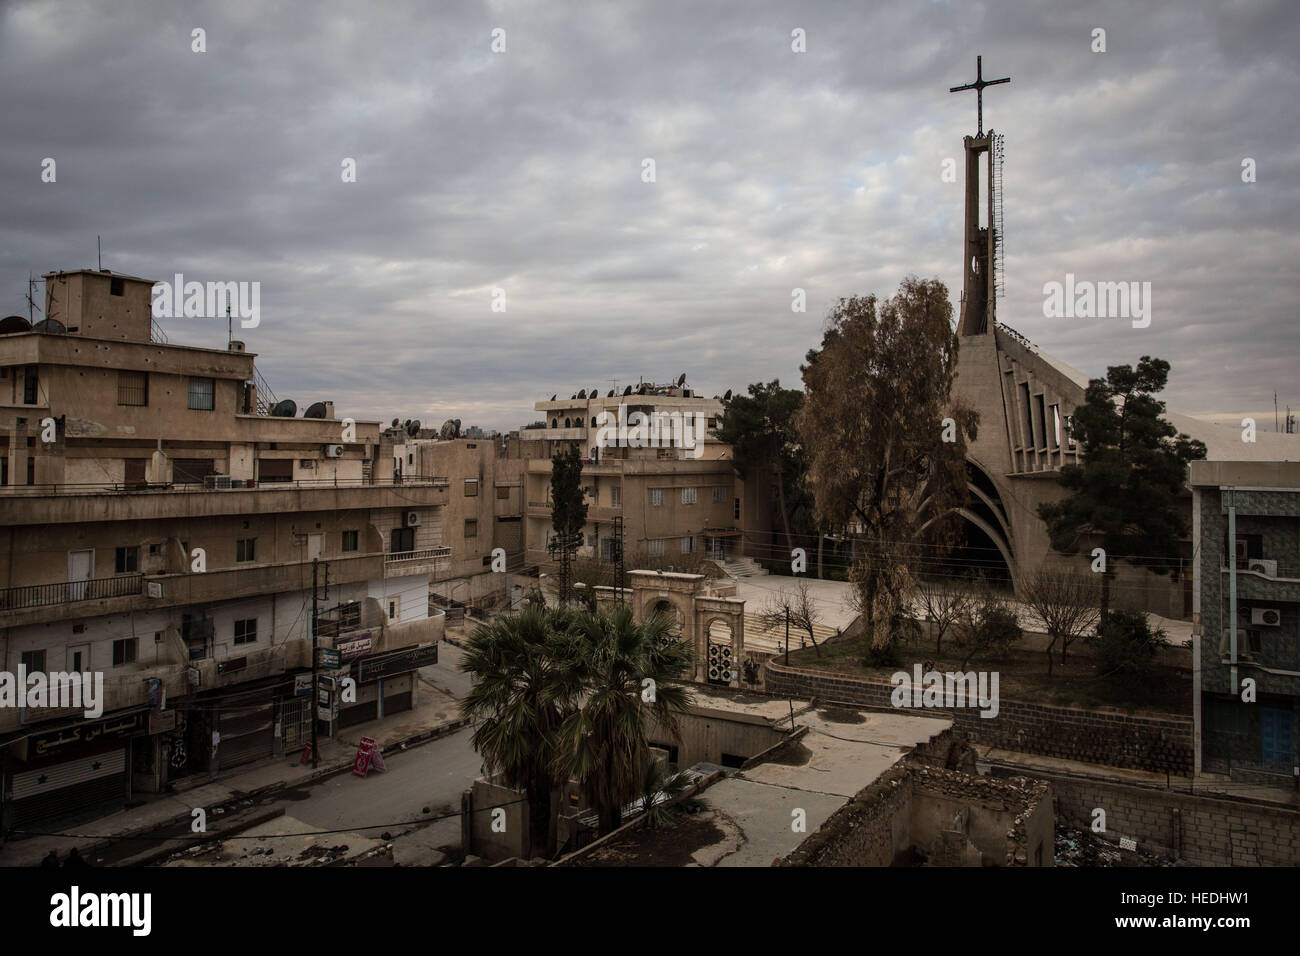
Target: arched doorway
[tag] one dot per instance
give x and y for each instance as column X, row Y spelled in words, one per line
column 675, row 617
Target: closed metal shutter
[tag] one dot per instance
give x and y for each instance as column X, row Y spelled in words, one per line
column 396, row 703
column 358, row 713
column 247, row 730
column 75, row 786
column 397, row 694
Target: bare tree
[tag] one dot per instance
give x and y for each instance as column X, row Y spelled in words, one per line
column 797, row 607
column 1066, row 602
column 943, row 605
column 988, row 623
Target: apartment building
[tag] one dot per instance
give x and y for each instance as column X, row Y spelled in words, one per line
column 675, row 498
column 484, row 512
column 165, row 529
column 1246, row 532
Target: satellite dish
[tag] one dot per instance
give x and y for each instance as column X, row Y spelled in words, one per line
column 395, row 423
column 594, row 393
column 641, row 390
column 457, row 421
column 413, row 428
column 50, row 327
column 14, row 323
column 727, row 397
column 284, row 409
column 611, row 394
column 628, row 390
column 682, row 379
column 448, row 429
column 552, row 398
column 315, row 410
column 582, row 393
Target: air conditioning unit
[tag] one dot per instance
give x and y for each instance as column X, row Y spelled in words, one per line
column 216, row 481
column 333, row 451
column 1244, row 649
column 1268, row 616
column 412, row 519
column 1263, row 566
column 155, row 589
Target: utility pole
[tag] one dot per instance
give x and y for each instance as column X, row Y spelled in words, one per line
column 315, row 692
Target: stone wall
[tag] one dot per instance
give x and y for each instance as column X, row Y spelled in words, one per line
column 1200, row 830
column 949, row 818
column 1139, row 742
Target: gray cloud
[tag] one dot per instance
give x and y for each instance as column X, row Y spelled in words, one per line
column 774, row 171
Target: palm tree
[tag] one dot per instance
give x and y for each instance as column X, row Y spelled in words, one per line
column 524, row 689
column 603, row 744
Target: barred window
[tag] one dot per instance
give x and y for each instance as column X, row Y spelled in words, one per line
column 719, row 494
column 656, row 497
column 688, row 545
column 655, row 547
column 202, row 394
column 688, row 496
column 133, row 388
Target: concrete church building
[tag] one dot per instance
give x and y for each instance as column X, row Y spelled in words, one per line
column 1026, row 399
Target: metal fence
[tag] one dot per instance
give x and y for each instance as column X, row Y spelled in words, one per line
column 95, row 589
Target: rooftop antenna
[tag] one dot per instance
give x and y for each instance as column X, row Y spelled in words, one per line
column 31, row 299
column 230, row 335
column 99, row 247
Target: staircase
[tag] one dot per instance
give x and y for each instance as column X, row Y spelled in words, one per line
column 742, row 567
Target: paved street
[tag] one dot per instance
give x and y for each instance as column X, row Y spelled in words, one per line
column 421, row 784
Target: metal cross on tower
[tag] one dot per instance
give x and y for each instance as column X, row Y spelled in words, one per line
column 978, row 87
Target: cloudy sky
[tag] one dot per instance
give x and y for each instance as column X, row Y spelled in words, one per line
column 774, row 170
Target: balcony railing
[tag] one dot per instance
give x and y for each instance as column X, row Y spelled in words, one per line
column 96, row 589
column 136, row 488
column 422, row 554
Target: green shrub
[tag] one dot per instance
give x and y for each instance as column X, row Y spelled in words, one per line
column 1126, row 649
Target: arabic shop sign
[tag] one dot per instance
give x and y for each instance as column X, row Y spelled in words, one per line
column 40, row 745
column 355, row 647
column 398, row 662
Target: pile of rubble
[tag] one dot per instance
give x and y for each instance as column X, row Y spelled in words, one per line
column 1079, row 846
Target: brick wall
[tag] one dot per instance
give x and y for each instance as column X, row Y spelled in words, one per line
column 1200, row 830
column 1157, row 744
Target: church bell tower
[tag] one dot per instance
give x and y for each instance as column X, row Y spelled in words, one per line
column 982, row 242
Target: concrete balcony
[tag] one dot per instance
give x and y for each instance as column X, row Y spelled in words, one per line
column 1260, row 588
column 123, row 688
column 184, row 589
column 45, row 595
column 253, row 664
column 605, row 514
column 431, row 561
column 86, row 504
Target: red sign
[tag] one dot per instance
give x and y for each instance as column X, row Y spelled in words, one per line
column 368, row 756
